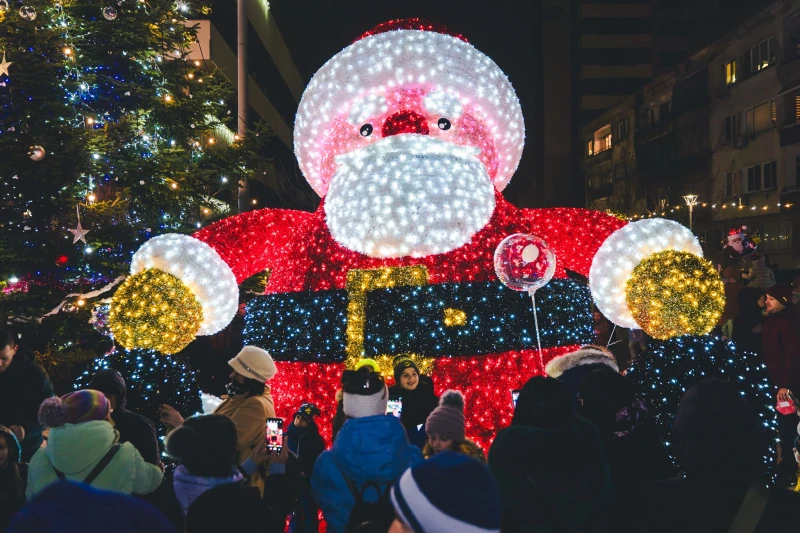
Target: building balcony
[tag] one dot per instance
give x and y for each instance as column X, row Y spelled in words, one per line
column 602, row 191
column 598, row 158
column 648, row 133
column 789, row 73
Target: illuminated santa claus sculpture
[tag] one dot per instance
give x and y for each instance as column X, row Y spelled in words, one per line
column 409, row 135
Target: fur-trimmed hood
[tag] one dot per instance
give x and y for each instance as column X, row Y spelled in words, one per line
column 585, row 355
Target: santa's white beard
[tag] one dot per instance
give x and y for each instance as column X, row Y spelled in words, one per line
column 408, row 195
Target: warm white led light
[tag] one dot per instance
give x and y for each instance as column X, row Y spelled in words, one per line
column 452, row 75
column 622, row 251
column 408, row 195
column 200, row 268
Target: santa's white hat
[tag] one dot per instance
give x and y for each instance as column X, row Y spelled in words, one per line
column 418, row 54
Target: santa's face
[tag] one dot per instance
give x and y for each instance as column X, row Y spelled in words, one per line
column 735, row 242
column 410, row 174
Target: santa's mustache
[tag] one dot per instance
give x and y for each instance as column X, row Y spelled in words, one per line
column 412, row 145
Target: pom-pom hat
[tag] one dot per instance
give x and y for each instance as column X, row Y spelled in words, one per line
column 447, row 420
column 74, row 408
column 455, row 77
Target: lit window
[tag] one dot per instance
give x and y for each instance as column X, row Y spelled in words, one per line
column 730, row 72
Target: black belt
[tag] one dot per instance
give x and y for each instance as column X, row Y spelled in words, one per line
column 447, row 319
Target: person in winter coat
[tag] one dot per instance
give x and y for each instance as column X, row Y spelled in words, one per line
column 132, row 427
column 363, row 365
column 446, row 429
column 13, row 476
column 83, row 446
column 205, row 446
column 449, row 493
column 67, row 507
column 371, row 447
column 633, row 448
column 780, row 352
column 571, row 368
column 732, row 279
column 550, row 465
column 747, row 325
column 232, row 507
column 716, row 439
column 305, row 442
column 24, row 385
column 416, row 391
column 249, row 402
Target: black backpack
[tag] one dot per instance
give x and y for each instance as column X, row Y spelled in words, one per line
column 370, row 517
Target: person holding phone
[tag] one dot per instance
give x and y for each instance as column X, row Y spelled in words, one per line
column 305, row 442
column 415, row 390
column 248, row 403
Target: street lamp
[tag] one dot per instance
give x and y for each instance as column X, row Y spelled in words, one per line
column 691, row 201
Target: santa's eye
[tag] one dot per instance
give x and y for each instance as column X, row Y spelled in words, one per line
column 366, row 130
column 444, row 124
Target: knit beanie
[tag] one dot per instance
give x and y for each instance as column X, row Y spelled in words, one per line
column 447, row 420
column 66, row 507
column 450, row 492
column 400, row 363
column 307, row 412
column 109, row 381
column 74, row 408
column 254, row 363
column 781, row 292
column 365, row 394
column 370, row 364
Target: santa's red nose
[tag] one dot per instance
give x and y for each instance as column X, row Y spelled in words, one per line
column 405, row 122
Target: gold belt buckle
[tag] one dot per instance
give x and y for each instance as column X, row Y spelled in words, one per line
column 361, row 281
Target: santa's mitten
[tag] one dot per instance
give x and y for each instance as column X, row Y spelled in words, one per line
column 179, row 288
column 651, row 275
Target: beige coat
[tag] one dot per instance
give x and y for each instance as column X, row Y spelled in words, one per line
column 250, row 414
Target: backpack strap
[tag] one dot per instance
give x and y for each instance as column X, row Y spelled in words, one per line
column 751, row 510
column 102, row 464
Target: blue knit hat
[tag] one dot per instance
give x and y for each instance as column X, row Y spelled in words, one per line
column 450, row 492
column 65, row 506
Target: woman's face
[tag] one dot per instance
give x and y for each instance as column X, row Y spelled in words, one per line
column 439, row 443
column 762, row 301
column 409, row 379
column 300, row 422
column 3, row 452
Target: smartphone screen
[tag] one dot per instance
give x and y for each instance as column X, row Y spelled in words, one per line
column 394, row 407
column 274, row 435
column 515, row 397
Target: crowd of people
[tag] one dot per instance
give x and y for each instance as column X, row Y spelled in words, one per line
column 581, row 454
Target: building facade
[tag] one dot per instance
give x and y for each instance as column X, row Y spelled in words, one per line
column 724, row 125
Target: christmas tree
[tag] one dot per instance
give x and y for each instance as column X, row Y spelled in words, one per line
column 109, row 135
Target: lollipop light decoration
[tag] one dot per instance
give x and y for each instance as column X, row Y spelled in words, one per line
column 526, row 263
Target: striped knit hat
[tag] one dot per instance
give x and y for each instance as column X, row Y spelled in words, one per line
column 450, row 492
column 74, row 408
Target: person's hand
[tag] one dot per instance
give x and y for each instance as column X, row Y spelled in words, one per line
column 260, row 453
column 783, row 395
column 338, row 396
column 170, row 417
column 18, row 431
column 280, row 458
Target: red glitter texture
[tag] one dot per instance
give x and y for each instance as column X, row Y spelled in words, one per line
column 410, row 24
column 405, row 122
column 302, row 256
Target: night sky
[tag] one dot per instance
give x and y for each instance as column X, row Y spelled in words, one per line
column 505, row 30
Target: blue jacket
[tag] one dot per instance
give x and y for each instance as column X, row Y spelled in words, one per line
column 373, row 448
